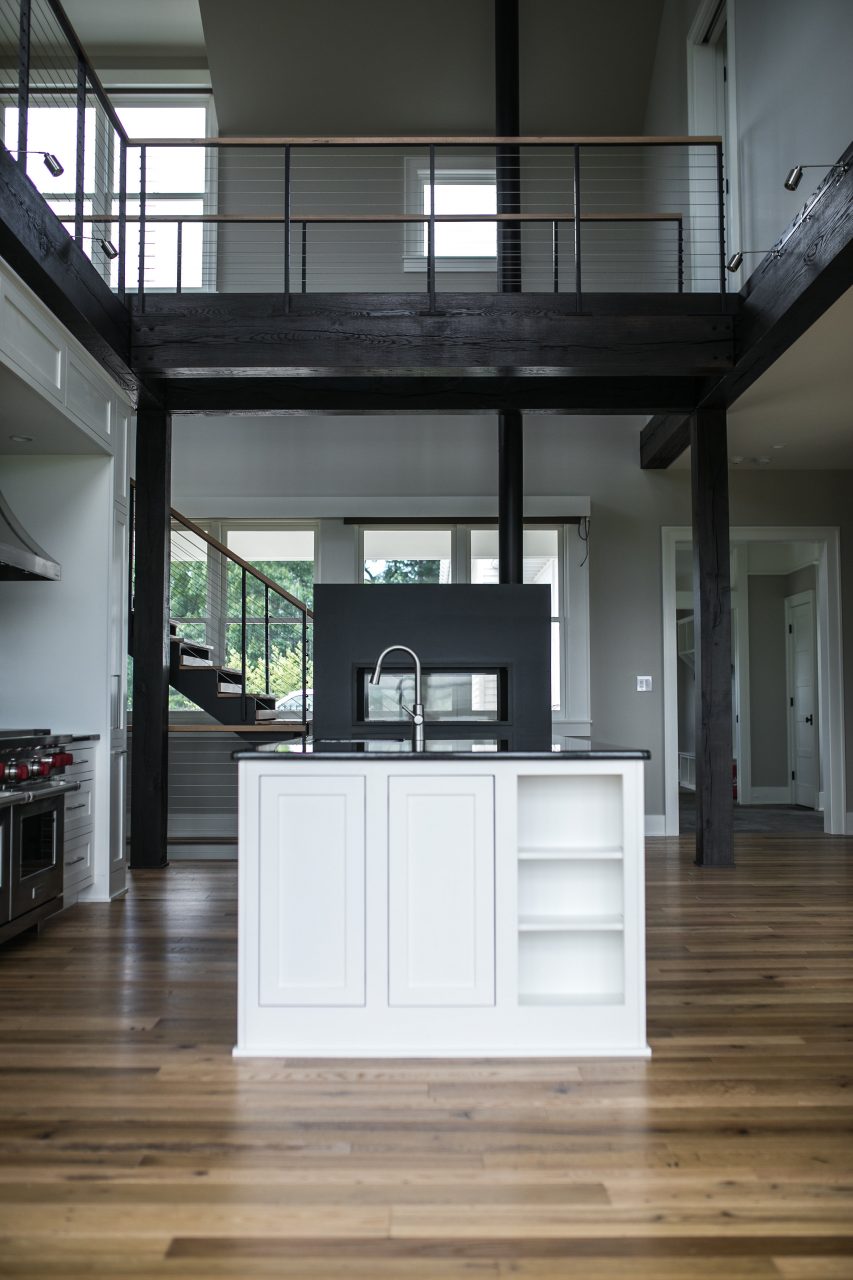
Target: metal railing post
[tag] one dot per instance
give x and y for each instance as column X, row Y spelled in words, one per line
column 80, row 166
column 431, row 231
column 721, row 215
column 680, row 225
column 304, row 257
column 304, row 666
column 287, row 228
column 23, row 81
column 577, row 182
column 179, row 264
column 122, row 217
column 555, row 254
column 143, row 165
column 243, row 698
column 266, row 638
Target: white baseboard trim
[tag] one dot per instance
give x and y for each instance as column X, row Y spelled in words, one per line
column 770, row 795
column 655, row 824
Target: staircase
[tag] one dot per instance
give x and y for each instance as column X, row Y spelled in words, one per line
column 231, row 673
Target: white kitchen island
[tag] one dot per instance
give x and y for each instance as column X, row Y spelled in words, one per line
column 450, row 905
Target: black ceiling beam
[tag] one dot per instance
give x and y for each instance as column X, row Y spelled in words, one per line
column 36, row 245
column 252, row 335
column 282, row 397
column 790, row 290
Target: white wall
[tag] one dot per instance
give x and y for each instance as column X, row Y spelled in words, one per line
column 299, row 467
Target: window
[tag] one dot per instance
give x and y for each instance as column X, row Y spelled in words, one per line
column 466, row 553
column 54, row 129
column 464, row 187
column 178, row 181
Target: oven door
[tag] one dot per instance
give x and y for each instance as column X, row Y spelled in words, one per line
column 5, row 864
column 36, row 853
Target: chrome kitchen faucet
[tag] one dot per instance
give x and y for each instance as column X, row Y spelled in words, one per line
column 417, row 711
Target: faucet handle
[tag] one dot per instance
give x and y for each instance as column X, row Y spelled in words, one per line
column 416, row 712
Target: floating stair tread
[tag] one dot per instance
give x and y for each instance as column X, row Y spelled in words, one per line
column 189, row 662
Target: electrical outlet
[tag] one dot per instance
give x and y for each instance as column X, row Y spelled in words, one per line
column 644, row 684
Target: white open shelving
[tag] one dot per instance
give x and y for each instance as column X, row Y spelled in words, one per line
column 570, row 890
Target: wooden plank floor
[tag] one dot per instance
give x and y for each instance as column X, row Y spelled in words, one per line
column 132, row 1145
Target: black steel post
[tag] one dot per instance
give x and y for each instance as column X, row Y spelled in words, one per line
column 80, row 165
column 304, row 257
column 266, row 638
column 507, row 158
column 180, row 264
column 243, row 699
column 23, row 81
column 431, row 232
column 304, row 667
column 510, row 496
column 151, row 644
column 680, row 255
column 555, row 253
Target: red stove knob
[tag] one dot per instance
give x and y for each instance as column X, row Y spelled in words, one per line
column 42, row 768
column 19, row 772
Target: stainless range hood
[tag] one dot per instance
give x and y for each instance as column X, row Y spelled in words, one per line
column 21, row 558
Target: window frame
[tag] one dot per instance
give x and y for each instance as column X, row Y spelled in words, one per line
column 453, row 170
column 210, row 195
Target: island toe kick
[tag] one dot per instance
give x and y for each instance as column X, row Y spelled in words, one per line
column 476, row 906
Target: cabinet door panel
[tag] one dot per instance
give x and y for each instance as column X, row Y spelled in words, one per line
column 441, row 929
column 312, row 904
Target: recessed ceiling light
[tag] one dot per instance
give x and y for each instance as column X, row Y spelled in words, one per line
column 778, row 446
column 763, row 461
column 21, row 439
column 736, row 457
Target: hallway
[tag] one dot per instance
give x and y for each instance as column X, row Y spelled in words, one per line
column 133, row 1145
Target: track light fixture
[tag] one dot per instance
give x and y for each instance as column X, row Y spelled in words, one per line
column 54, row 168
column 795, row 175
column 737, row 258
column 109, row 248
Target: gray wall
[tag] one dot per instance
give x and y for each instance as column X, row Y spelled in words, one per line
column 406, row 465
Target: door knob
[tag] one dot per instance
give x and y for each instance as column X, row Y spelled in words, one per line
column 809, row 719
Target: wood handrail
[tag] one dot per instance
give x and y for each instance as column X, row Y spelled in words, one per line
column 244, row 564
column 421, row 141
column 312, row 218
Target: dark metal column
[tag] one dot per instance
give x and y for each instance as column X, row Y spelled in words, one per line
column 150, row 741
column 712, row 622
column 510, row 496
column 507, row 158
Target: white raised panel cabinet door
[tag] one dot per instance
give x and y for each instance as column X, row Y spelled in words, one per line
column 312, row 904
column 441, row 882
column 118, row 801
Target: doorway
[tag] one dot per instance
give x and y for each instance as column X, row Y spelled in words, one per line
column 787, row 709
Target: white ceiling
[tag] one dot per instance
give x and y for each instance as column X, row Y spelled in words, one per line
column 139, row 27
column 798, row 416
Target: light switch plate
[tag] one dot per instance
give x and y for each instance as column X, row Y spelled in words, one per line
column 644, row 684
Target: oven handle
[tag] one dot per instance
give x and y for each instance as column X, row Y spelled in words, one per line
column 57, row 788
column 7, row 799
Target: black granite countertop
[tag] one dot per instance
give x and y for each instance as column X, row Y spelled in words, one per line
column 592, row 751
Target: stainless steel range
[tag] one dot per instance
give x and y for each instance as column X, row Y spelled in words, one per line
column 32, row 823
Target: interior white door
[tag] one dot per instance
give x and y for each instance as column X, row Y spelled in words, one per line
column 441, row 891
column 803, row 735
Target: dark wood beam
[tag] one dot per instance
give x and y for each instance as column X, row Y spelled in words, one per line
column 510, row 497
column 150, row 753
column 712, row 628
column 339, row 335
column 663, row 439
column 282, row 397
column 36, row 245
column 793, row 287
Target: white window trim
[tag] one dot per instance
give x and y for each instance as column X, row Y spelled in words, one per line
column 210, row 194
column 462, row 168
column 573, row 717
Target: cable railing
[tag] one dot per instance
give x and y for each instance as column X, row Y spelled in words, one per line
column 339, row 215
column 239, row 621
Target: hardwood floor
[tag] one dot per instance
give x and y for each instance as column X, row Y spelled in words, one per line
column 132, row 1145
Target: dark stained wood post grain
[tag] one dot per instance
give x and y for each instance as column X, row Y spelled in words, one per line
column 150, row 754
column 712, row 618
